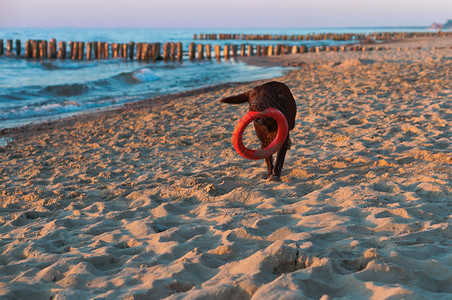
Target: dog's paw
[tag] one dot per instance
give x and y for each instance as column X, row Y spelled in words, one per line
column 274, row 178
column 266, row 175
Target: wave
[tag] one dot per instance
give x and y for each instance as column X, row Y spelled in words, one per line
column 65, row 65
column 66, row 89
column 41, row 110
column 49, row 109
column 144, row 75
column 75, row 89
column 138, row 76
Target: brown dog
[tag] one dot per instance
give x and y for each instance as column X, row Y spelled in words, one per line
column 271, row 94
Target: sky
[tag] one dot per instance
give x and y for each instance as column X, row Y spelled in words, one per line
column 223, row 14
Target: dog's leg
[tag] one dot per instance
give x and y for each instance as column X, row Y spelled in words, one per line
column 269, row 162
column 266, row 137
column 280, row 160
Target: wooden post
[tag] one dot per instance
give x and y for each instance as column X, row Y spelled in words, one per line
column 166, row 51
column 173, row 50
column 270, row 50
column 242, row 49
column 191, row 51
column 53, row 49
column 234, row 49
column 71, row 49
column 157, row 49
column 18, row 49
column 114, row 50
column 144, row 51
column 179, row 51
column 278, row 49
column 120, row 54
column 99, row 51
column 258, row 50
column 200, row 51
column 43, row 49
column 75, row 50
column 124, row 50
column 2, row 49
column 131, row 50
column 95, row 50
column 226, row 52
column 209, row 51
column 139, row 48
column 81, row 50
column 287, row 49
column 218, row 52
column 89, row 50
column 153, row 50
column 119, row 50
column 150, row 52
column 35, row 45
column 295, row 49
column 40, row 48
column 9, row 47
column 264, row 50
column 28, row 52
column 107, row 51
column 250, row 50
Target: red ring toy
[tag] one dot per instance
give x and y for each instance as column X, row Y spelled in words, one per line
column 274, row 146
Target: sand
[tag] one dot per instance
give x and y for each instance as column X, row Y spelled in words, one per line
column 151, row 201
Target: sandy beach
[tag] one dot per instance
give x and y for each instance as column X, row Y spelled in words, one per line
column 151, row 201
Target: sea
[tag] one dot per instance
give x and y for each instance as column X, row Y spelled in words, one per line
column 33, row 91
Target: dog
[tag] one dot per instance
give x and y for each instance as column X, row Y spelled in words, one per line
column 271, row 94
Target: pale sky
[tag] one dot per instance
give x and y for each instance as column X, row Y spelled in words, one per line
column 223, row 14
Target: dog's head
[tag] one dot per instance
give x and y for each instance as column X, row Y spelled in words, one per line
column 271, row 94
column 259, row 99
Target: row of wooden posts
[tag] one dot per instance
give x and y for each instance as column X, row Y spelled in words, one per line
column 39, row 49
column 92, row 50
column 318, row 36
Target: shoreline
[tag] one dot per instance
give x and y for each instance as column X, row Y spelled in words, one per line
column 151, row 200
column 291, row 60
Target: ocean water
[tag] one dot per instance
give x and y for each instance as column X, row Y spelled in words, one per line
column 37, row 90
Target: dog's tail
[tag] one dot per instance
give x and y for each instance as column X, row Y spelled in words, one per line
column 242, row 98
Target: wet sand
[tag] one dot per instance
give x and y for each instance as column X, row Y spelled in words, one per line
column 151, row 200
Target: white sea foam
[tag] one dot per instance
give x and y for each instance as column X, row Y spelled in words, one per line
column 47, row 109
column 52, row 109
column 144, row 75
column 4, row 141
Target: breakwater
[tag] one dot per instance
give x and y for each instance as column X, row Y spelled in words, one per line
column 376, row 36
column 173, row 51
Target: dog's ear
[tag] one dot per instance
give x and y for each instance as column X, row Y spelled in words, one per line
column 242, row 98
